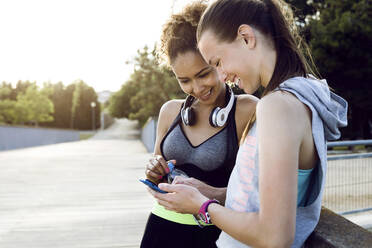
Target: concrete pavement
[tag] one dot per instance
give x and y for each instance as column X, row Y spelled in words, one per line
column 80, row 194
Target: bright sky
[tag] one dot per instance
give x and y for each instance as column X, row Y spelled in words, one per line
column 66, row 40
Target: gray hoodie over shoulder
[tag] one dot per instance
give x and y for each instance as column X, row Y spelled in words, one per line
column 329, row 113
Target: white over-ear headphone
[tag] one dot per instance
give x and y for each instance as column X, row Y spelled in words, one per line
column 218, row 116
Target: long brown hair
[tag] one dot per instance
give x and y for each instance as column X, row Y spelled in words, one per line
column 274, row 19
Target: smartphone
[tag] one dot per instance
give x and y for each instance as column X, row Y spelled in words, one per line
column 152, row 186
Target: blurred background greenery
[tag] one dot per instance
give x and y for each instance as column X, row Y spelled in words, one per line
column 339, row 33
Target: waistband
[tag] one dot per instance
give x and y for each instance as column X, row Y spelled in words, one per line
column 185, row 219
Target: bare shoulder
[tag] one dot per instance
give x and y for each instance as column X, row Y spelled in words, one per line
column 169, row 111
column 245, row 108
column 246, row 100
column 284, row 107
column 172, row 106
column 246, row 104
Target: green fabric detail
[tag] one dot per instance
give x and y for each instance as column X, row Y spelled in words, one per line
column 186, row 219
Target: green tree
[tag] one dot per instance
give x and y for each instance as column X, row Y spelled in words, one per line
column 33, row 106
column 148, row 88
column 7, row 91
column 340, row 40
column 21, row 87
column 119, row 103
column 81, row 110
column 7, row 106
column 61, row 96
column 304, row 10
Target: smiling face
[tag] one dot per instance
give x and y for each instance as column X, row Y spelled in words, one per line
column 238, row 61
column 197, row 78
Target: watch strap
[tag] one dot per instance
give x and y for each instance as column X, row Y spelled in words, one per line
column 203, row 211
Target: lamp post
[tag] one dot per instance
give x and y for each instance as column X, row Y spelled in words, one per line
column 93, row 106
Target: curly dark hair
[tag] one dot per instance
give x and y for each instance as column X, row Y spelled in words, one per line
column 179, row 33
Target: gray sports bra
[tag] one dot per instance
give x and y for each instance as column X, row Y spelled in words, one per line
column 211, row 161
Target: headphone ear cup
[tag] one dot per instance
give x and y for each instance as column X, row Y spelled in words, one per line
column 187, row 113
column 221, row 118
column 184, row 117
column 188, row 116
column 191, row 116
column 213, row 117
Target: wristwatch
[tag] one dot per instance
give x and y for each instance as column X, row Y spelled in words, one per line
column 203, row 211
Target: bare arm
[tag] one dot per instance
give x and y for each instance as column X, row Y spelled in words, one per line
column 157, row 166
column 280, row 131
column 207, row 190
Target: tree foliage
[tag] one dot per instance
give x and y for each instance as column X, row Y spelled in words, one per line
column 31, row 106
column 7, row 106
column 34, row 106
column 304, row 10
column 149, row 86
column 81, row 110
column 61, row 96
column 50, row 106
column 341, row 44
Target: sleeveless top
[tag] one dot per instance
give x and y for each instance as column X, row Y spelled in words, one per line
column 211, row 162
column 303, row 183
column 328, row 114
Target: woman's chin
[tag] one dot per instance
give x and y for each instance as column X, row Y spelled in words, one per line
column 248, row 89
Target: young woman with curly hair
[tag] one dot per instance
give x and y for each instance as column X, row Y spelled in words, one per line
column 205, row 145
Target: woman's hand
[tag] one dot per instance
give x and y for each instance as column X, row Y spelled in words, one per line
column 191, row 182
column 207, row 190
column 180, row 198
column 157, row 168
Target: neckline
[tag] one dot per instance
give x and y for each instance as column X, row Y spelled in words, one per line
column 196, row 146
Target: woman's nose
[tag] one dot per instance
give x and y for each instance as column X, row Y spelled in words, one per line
column 198, row 87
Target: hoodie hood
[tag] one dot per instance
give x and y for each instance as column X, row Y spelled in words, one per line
column 331, row 108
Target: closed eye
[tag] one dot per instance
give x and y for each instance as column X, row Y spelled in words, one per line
column 204, row 74
column 184, row 81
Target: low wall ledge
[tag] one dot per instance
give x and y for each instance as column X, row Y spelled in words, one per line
column 333, row 230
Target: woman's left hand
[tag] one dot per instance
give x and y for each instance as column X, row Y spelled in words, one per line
column 180, row 198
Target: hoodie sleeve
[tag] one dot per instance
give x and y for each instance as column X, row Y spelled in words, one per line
column 331, row 108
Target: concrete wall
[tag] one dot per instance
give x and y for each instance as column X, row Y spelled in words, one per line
column 21, row 137
column 335, row 231
column 148, row 134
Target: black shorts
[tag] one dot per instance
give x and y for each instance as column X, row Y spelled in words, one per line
column 162, row 233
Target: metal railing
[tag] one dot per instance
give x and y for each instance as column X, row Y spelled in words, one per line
column 349, row 179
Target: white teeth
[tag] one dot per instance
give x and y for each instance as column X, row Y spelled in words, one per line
column 209, row 92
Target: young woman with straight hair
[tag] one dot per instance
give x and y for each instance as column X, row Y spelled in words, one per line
column 274, row 192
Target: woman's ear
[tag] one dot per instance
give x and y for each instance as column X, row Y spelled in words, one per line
column 246, row 33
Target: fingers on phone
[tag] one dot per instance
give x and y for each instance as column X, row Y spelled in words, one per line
column 163, row 164
column 153, row 176
column 156, row 166
column 178, row 180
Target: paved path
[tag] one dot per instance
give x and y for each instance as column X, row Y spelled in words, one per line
column 80, row 194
